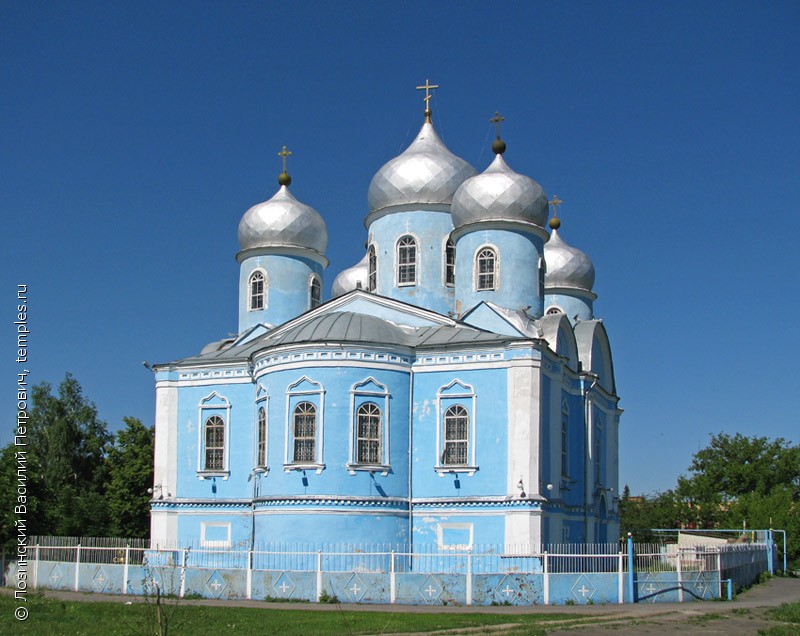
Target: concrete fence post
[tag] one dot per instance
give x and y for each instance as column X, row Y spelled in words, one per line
column 546, row 580
column 469, row 578
column 679, row 569
column 319, row 575
column 249, row 584
column 36, row 568
column 621, row 578
column 125, row 569
column 77, row 566
column 182, row 590
column 392, row 581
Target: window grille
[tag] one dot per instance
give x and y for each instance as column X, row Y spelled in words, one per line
column 456, row 436
column 450, row 263
column 315, row 292
column 257, row 291
column 368, row 434
column 407, row 261
column 261, row 461
column 372, row 272
column 487, row 263
column 305, row 432
column 215, row 443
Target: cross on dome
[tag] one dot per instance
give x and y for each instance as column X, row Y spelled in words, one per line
column 284, row 179
column 428, row 87
column 498, row 145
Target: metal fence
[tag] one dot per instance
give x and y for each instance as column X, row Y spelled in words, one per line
column 381, row 558
column 478, row 574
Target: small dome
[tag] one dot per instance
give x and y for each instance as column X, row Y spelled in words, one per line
column 283, row 221
column 567, row 266
column 426, row 172
column 499, row 194
column 354, row 277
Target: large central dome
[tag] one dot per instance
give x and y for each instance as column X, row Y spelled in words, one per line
column 425, row 173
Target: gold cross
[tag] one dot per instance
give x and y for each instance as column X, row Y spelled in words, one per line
column 283, row 154
column 496, row 121
column 427, row 99
column 555, row 202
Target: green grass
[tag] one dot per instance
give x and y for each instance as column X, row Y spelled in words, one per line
column 786, row 613
column 55, row 617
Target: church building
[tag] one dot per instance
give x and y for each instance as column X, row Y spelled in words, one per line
column 456, row 390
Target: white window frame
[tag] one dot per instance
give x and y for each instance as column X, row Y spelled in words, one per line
column 262, row 402
column 495, row 273
column 211, row 405
column 311, row 280
column 456, row 393
column 372, row 268
column 206, row 543
column 441, row 527
column 416, row 263
column 447, row 243
column 369, row 390
column 304, row 390
column 265, row 289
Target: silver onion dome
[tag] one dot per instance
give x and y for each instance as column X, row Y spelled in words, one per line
column 283, row 221
column 499, row 194
column 426, row 172
column 354, row 277
column 567, row 266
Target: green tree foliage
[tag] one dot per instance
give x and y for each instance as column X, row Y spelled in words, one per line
column 736, row 481
column 130, row 470
column 77, row 481
column 68, row 445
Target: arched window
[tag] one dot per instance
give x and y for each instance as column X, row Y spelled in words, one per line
column 407, row 261
column 456, row 436
column 450, row 263
column 553, row 310
column 315, row 292
column 261, row 448
column 305, row 432
column 486, row 267
column 368, row 434
column 215, row 443
column 372, row 271
column 257, row 295
column 542, row 272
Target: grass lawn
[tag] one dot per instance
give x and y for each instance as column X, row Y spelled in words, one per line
column 55, row 617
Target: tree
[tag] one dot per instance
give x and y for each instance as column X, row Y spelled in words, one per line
column 130, row 470
column 736, row 465
column 736, row 481
column 67, row 445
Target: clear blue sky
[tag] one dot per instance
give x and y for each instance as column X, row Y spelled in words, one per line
column 134, row 135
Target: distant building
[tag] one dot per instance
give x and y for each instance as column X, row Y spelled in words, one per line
column 456, row 390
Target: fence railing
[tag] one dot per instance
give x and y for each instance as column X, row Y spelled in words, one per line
column 480, row 574
column 381, row 558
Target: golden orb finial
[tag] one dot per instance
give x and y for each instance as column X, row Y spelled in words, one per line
column 555, row 222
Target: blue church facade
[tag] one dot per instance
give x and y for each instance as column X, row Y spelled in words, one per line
column 456, row 390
